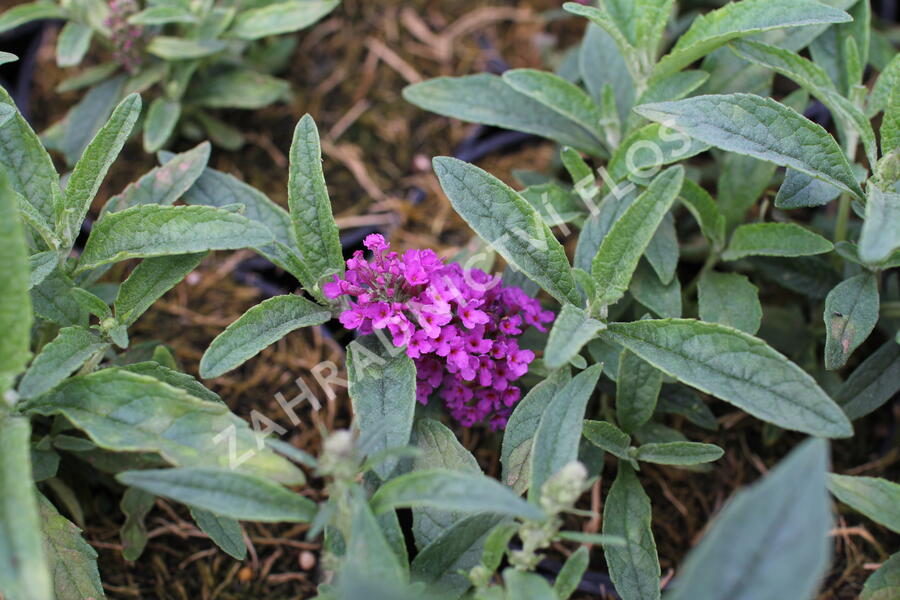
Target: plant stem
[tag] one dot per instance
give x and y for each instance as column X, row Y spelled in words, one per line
column 843, row 216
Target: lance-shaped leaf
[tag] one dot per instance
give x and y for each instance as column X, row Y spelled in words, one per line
column 741, row 19
column 165, row 184
column 91, row 168
column 72, row 44
column 30, row 11
column 370, row 561
column 880, row 95
column 761, row 128
column 637, row 390
column 224, row 492
column 15, row 303
column 23, row 564
column 240, row 88
column 890, row 123
column 572, row 329
column 174, row 378
column 884, row 583
column 59, row 359
column 489, row 100
column 558, row 434
column 129, row 412
column 877, row 498
column 874, row 382
column 800, row 190
column 572, row 572
column 851, row 312
column 314, row 226
column 135, row 505
column 704, row 210
column 782, row 523
column 678, row 453
column 510, row 224
column 281, row 17
column 152, row 278
column 452, row 490
column 880, row 234
column 729, row 299
column 258, row 328
column 175, row 48
column 737, row 368
column 775, row 239
column 72, row 560
column 634, row 567
column 557, row 94
column 646, row 288
column 621, row 249
column 608, row 437
column 224, row 531
column 151, row 230
column 600, row 62
column 383, row 393
column 645, row 150
column 162, row 117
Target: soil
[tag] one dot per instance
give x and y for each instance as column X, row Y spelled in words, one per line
column 348, row 73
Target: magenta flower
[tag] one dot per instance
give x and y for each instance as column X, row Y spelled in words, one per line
column 459, row 327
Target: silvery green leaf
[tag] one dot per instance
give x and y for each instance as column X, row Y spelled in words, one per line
column 135, row 505
column 645, row 150
column 679, row 400
column 163, row 14
column 53, row 301
column 735, row 367
column 72, row 44
column 526, row 586
column 601, row 16
column 558, row 433
column 314, row 227
column 559, row 95
column 219, row 132
column 72, row 561
column 30, row 11
column 782, row 523
column 775, row 239
column 185, row 430
column 634, row 567
column 673, row 87
column 621, row 249
column 239, row 88
column 225, row 492
column 42, row 265
column 280, row 17
column 452, row 490
column 168, row 375
column 259, row 328
column 637, row 390
column 91, row 168
column 880, row 234
column 800, row 190
column 176, row 48
column 91, row 303
column 24, row 571
column 152, row 230
column 884, row 583
column 890, row 123
column 705, row 211
column 518, row 438
column 598, row 224
column 608, row 437
column 876, row 498
column 31, row 217
column 489, row 100
column 7, row 57
column 761, row 128
column 369, row 556
column 662, row 251
column 880, row 96
column 88, row 116
column 647, row 289
column 572, row 571
column 224, row 531
column 742, row 19
column 874, row 382
column 152, row 278
column 600, row 63
column 15, row 306
column 162, row 116
column 678, row 453
column 851, row 312
column 58, row 359
column 807, row 275
column 742, row 181
column 555, row 203
column 572, row 329
column 832, row 50
column 165, row 184
column 383, row 393
column 506, row 221
column 729, row 299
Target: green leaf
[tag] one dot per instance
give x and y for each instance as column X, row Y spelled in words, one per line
column 741, row 19
column 646, row 288
column 153, row 369
column 647, row 149
column 54, row 301
column 518, row 438
column 572, row 329
column 678, row 453
column 59, row 359
column 31, row 11
column 175, row 48
column 572, row 571
column 662, row 251
column 775, row 239
column 162, row 116
column 729, row 299
column 880, row 96
column 369, row 555
column 603, row 18
column 742, row 181
column 608, row 437
column 7, row 57
column 873, row 383
column 313, row 223
column 72, row 561
column 596, row 227
column 851, row 312
column 880, row 234
column 454, row 491
column 225, row 532
column 758, row 127
column 130, row 412
column 23, row 564
column 557, row 94
column 807, row 275
column 72, row 44
column 800, row 190
column 88, row 116
column 782, row 523
column 557, row 436
column 15, row 304
column 489, row 100
column 637, row 390
column 239, row 88
column 152, row 230
column 526, row 586
column 383, row 393
column 884, row 583
column 149, row 281
column 224, row 492
column 876, row 498
column 135, row 505
column 163, row 15
column 600, row 63
column 735, row 367
column 890, row 123
column 91, row 168
column 258, row 328
column 704, row 210
column 281, row 17
column 634, row 567
column 512, row 226
column 165, row 184
column 621, row 249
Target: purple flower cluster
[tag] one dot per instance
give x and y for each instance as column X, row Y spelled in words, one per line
column 459, row 326
column 124, row 36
